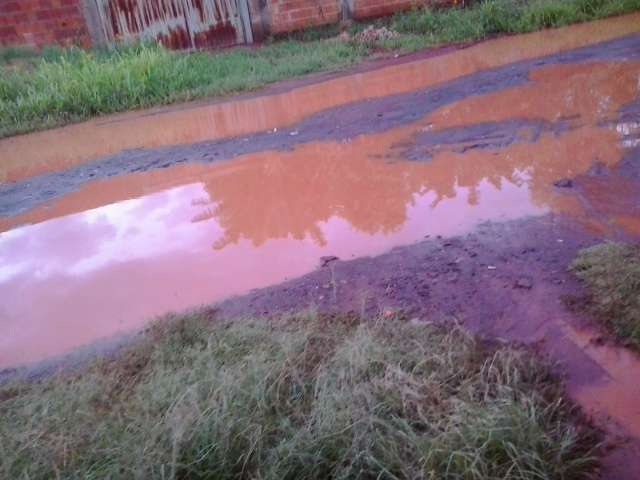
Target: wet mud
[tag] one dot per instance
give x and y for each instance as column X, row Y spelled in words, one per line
column 503, row 281
column 456, row 187
column 286, row 103
column 338, row 124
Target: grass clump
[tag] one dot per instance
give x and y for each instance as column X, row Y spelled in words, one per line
column 611, row 272
column 308, row 397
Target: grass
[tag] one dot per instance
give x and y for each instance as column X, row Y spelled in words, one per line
column 80, row 84
column 611, row 271
column 493, row 17
column 63, row 86
column 14, row 53
column 306, row 397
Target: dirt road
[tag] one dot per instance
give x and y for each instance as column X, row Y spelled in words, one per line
column 457, row 185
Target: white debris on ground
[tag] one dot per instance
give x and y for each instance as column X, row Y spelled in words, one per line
column 369, row 35
column 373, row 34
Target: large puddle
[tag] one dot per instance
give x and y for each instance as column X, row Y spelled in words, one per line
column 112, row 254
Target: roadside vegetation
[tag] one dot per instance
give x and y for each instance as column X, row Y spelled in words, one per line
column 11, row 54
column 79, row 84
column 63, row 86
column 492, row 17
column 308, row 397
column 611, row 271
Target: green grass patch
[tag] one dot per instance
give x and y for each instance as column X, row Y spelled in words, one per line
column 60, row 86
column 505, row 16
column 14, row 53
column 611, row 271
column 305, row 397
column 78, row 84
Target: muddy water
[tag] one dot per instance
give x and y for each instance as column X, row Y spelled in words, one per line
column 618, row 391
column 107, row 257
column 24, row 156
column 242, row 225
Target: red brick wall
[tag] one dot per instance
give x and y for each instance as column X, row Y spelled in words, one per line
column 42, row 22
column 378, row 8
column 289, row 15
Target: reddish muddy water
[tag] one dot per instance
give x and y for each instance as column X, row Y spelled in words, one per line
column 118, row 251
column 115, row 253
column 27, row 155
column 618, row 392
column 229, row 228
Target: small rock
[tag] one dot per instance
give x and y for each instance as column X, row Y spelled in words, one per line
column 294, row 133
column 491, row 267
column 524, row 282
column 324, row 261
column 564, row 183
